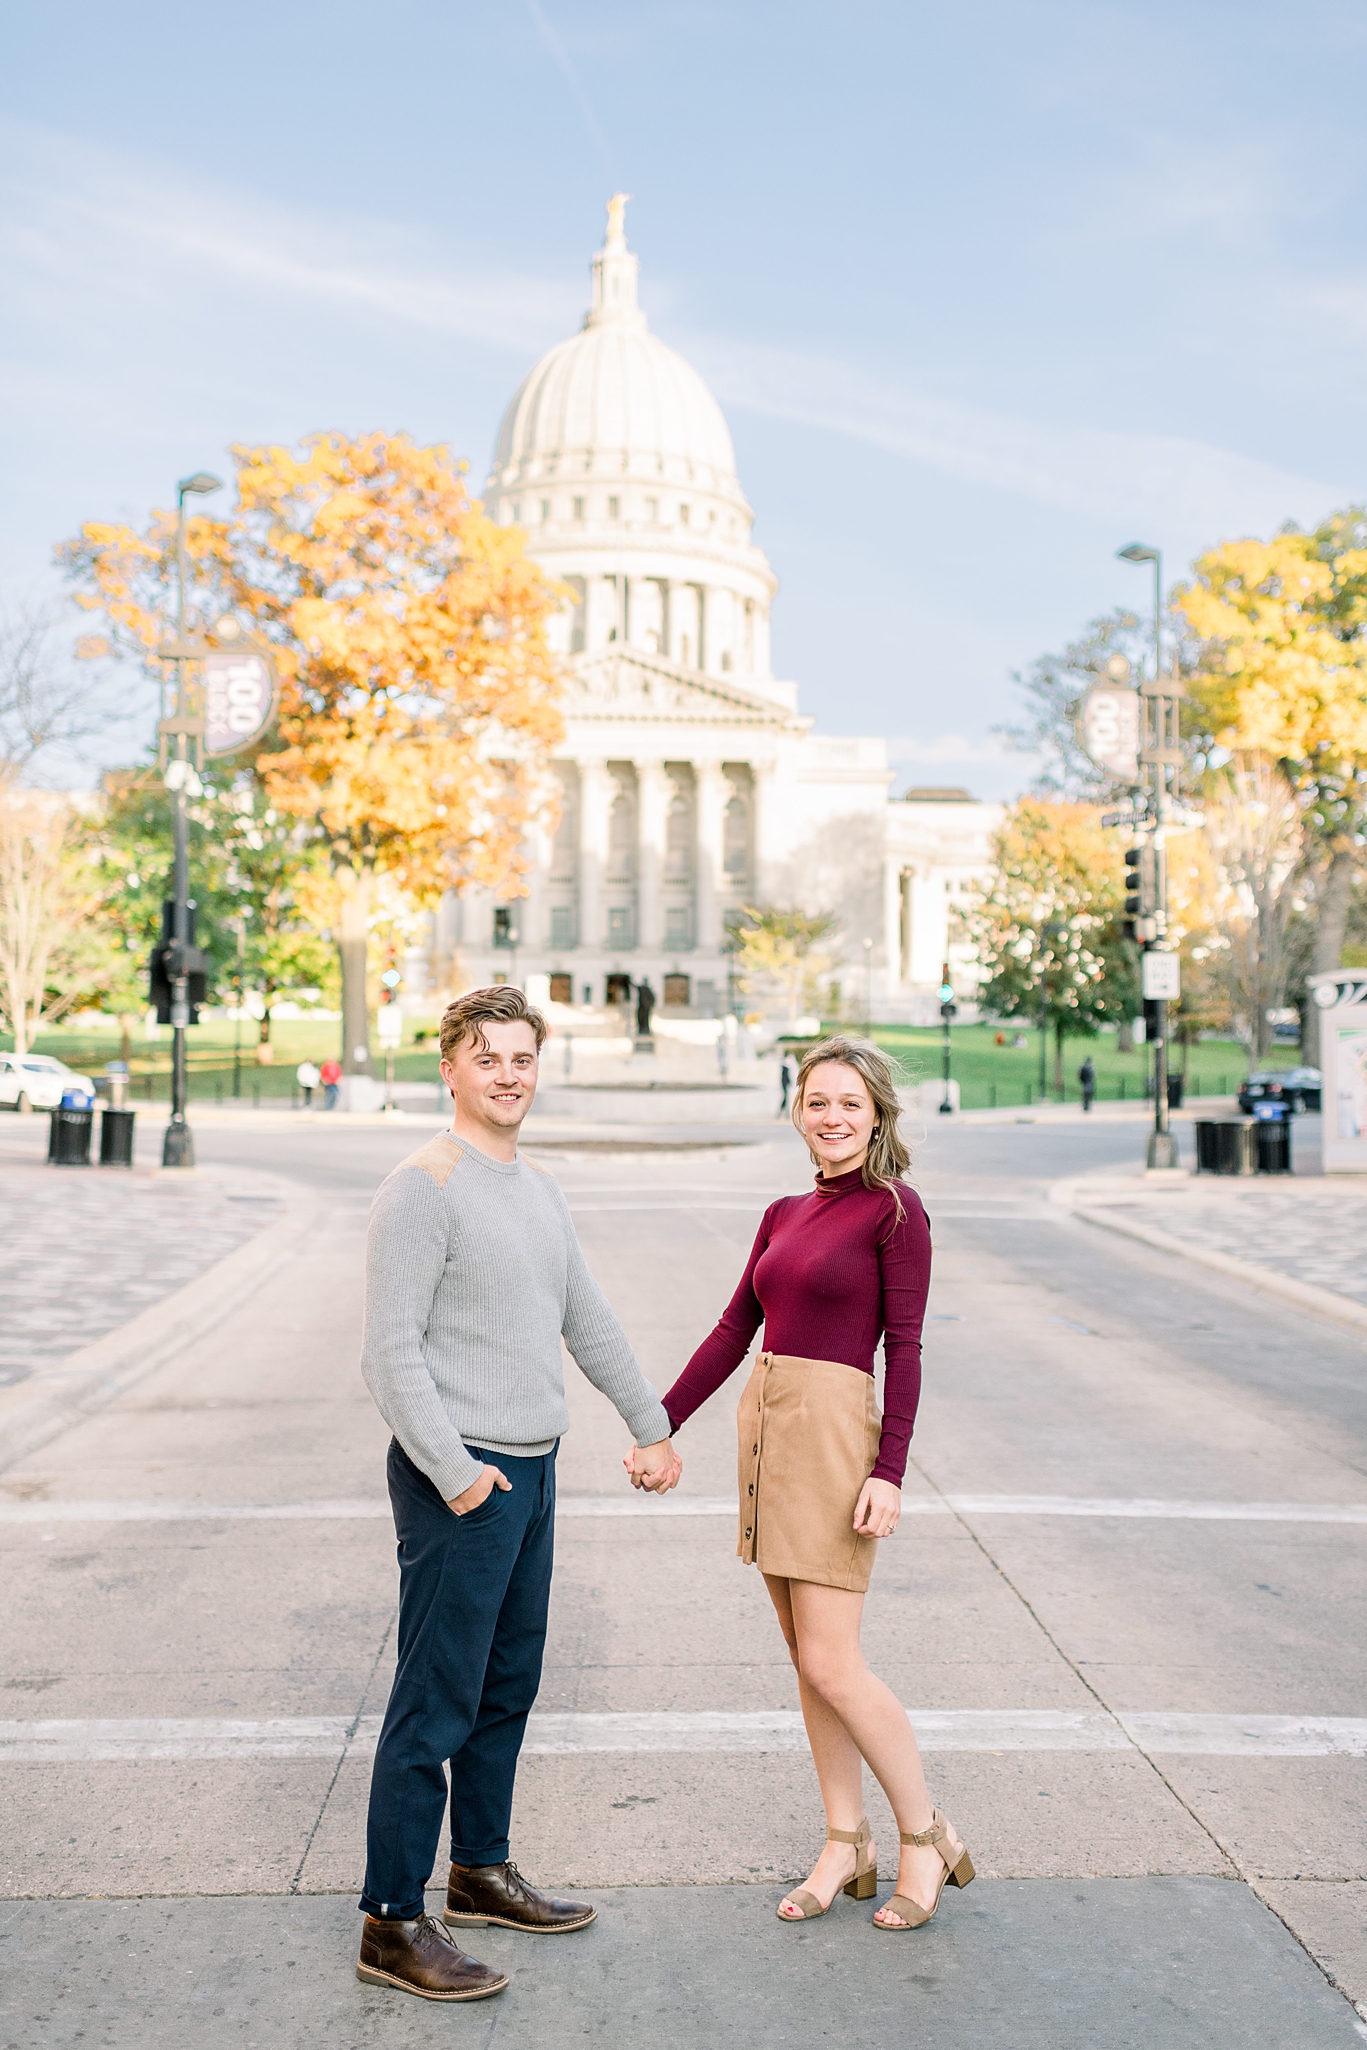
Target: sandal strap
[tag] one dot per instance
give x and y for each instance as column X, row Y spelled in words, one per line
column 858, row 1837
column 937, row 1834
column 808, row 1902
column 909, row 1912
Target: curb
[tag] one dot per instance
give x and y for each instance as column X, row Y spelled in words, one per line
column 38, row 1410
column 1320, row 1302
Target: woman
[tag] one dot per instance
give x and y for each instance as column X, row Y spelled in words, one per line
column 820, row 1472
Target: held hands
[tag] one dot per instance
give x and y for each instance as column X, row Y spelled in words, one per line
column 480, row 1490
column 656, row 1468
column 879, row 1508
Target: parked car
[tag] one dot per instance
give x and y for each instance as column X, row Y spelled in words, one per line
column 1299, row 1089
column 35, row 1081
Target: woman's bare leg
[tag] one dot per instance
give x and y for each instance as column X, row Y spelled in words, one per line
column 839, row 1767
column 830, row 1661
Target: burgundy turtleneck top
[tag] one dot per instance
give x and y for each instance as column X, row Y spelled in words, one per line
column 829, row 1275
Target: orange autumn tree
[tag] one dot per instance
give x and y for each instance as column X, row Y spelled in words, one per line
column 419, row 697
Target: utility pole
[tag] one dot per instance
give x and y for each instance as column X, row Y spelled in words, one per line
column 948, row 1012
column 1044, row 933
column 241, row 984
column 1160, row 761
column 179, row 958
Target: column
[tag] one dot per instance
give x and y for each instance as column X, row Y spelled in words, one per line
column 595, row 793
column 763, row 658
column 652, row 809
column 713, row 792
column 892, row 923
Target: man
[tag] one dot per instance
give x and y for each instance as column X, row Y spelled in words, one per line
column 330, row 1075
column 1086, row 1075
column 473, row 1273
column 787, row 1075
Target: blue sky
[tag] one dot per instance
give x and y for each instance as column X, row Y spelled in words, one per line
column 985, row 291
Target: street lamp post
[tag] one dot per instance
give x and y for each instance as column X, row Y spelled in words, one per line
column 1044, row 935
column 1160, row 760
column 241, row 984
column 868, row 985
column 948, row 1012
column 178, row 1146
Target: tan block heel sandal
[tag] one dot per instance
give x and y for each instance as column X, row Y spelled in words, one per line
column 862, row 1886
column 958, row 1870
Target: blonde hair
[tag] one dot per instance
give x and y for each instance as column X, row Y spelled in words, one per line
column 504, row 1004
column 889, row 1156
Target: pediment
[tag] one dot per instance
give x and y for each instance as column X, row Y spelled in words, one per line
column 631, row 684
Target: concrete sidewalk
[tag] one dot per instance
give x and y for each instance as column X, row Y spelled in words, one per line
column 1188, row 1964
column 1129, row 1894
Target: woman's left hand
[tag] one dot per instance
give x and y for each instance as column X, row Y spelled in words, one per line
column 879, row 1509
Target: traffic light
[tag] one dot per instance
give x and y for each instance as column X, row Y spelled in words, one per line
column 948, row 1007
column 169, row 961
column 1141, row 892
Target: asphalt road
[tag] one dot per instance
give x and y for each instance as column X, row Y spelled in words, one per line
column 1140, row 1689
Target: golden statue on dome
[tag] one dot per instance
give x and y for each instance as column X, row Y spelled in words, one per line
column 617, row 218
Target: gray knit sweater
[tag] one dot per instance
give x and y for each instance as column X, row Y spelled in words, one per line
column 473, row 1275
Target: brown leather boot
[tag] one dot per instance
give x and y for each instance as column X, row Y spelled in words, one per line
column 499, row 1893
column 419, row 1957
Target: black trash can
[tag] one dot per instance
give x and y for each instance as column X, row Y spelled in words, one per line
column 68, row 1139
column 1274, row 1145
column 116, row 1137
column 1176, row 1086
column 1226, row 1146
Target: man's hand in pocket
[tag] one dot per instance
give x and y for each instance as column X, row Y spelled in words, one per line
column 480, row 1490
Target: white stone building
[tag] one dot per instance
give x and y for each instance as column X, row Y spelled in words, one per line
column 690, row 783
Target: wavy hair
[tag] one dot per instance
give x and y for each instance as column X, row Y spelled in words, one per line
column 889, row 1156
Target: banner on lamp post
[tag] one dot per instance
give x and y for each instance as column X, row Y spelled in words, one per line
column 1108, row 730
column 240, row 696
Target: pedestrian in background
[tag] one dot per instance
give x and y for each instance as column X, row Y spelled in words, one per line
column 820, row 1471
column 1086, row 1075
column 330, row 1075
column 308, row 1077
column 787, row 1075
column 474, row 1275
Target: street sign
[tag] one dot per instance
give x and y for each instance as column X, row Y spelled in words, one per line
column 1162, row 978
column 239, row 698
column 1108, row 730
column 389, row 1025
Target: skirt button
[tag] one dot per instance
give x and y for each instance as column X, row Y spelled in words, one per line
column 747, row 1530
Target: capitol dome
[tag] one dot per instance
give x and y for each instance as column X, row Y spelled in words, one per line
column 615, row 392
column 616, row 459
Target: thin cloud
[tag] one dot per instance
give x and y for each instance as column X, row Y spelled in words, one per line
column 1099, row 472
column 565, row 65
column 80, row 219
column 957, row 748
column 83, row 227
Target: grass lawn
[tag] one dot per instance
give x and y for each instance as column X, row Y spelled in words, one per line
column 990, row 1075
column 210, row 1056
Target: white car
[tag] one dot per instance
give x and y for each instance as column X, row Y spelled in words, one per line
column 34, row 1081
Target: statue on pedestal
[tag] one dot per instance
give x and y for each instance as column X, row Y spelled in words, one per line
column 645, row 1009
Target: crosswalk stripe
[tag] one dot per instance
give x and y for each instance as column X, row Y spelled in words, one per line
column 50, row 1514
column 178, row 1739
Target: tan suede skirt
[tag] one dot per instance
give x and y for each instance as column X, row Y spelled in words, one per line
column 807, row 1435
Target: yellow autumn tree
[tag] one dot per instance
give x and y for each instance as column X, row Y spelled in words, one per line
column 1283, row 681
column 419, row 696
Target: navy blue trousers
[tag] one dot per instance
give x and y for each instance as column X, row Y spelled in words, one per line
column 473, row 1596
